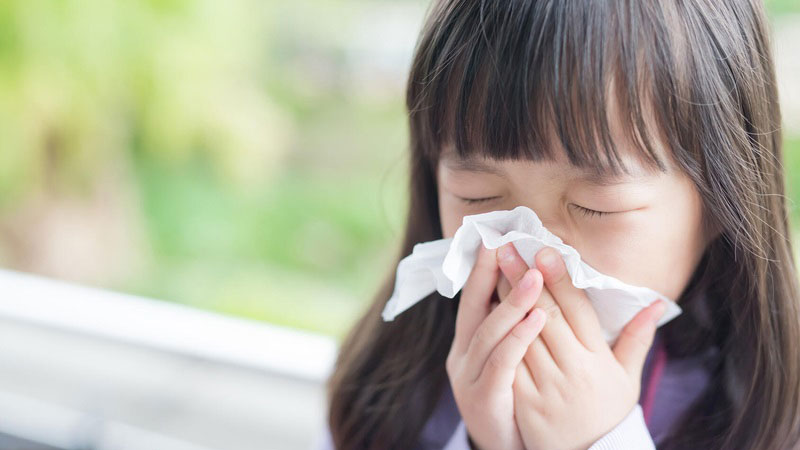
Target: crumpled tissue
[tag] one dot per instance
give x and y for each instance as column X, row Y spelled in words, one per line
column 444, row 265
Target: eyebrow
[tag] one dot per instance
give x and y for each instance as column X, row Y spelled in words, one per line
column 600, row 179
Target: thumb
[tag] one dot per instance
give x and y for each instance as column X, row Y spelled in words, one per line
column 636, row 338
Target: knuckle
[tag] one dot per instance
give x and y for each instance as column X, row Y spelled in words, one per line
column 480, row 338
column 495, row 362
column 516, row 335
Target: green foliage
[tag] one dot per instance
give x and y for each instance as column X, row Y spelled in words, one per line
column 780, row 7
column 269, row 185
column 270, row 178
column 791, row 152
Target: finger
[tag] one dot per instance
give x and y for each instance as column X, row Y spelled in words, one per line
column 636, row 338
column 512, row 268
column 576, row 306
column 473, row 306
column 500, row 322
column 511, row 263
column 503, row 287
column 541, row 364
column 557, row 334
column 524, row 386
column 527, row 399
column 502, row 363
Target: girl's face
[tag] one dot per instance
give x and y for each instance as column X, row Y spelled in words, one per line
column 648, row 231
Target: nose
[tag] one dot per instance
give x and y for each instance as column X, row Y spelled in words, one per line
column 552, row 217
column 558, row 228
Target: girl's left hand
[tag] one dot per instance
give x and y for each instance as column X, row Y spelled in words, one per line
column 572, row 388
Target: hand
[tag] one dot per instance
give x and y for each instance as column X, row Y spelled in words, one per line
column 487, row 348
column 572, row 388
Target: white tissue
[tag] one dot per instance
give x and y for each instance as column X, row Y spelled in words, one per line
column 445, row 264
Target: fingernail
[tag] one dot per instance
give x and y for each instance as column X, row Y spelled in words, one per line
column 548, row 257
column 506, row 253
column 527, row 280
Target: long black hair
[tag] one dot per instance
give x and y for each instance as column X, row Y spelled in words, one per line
column 503, row 79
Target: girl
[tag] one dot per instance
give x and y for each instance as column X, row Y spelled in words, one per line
column 644, row 133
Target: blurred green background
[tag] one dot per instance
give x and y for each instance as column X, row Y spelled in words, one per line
column 246, row 157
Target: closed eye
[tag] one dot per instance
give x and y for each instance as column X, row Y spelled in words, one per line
column 585, row 211
column 591, row 212
column 472, row 201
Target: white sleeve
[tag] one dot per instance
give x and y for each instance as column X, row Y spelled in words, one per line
column 632, row 432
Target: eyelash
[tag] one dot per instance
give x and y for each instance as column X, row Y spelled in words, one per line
column 590, row 212
column 472, row 201
column 585, row 211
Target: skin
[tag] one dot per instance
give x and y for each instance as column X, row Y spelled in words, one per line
column 519, row 373
column 657, row 214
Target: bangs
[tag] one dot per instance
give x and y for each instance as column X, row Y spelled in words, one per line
column 521, row 79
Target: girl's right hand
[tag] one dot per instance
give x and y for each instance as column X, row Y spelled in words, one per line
column 487, row 347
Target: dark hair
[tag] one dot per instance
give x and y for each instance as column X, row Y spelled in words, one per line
column 516, row 79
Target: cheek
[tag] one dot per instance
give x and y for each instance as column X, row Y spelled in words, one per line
column 661, row 261
column 659, row 252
